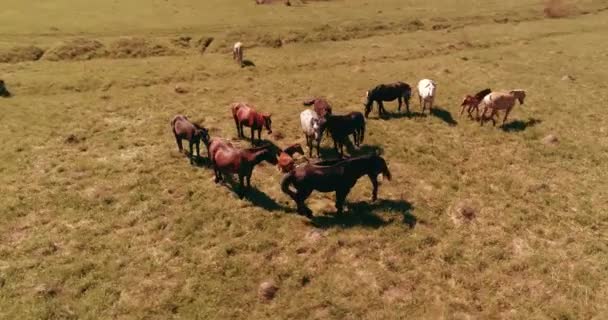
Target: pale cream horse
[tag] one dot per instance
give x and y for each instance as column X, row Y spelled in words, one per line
column 501, row 100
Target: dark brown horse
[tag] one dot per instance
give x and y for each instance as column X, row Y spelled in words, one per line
column 471, row 103
column 338, row 176
column 184, row 129
column 227, row 159
column 245, row 115
column 286, row 162
column 3, row 91
column 320, row 106
column 388, row 92
column 341, row 126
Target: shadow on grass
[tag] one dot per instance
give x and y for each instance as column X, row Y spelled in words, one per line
column 253, row 195
column 361, row 214
column 519, row 125
column 444, row 115
column 247, row 64
column 398, row 115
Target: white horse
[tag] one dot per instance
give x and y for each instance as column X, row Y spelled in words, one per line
column 426, row 93
column 237, row 53
column 311, row 126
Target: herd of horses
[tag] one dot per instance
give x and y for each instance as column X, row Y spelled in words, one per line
column 323, row 175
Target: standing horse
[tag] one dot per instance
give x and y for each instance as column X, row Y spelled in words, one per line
column 320, row 106
column 501, row 100
column 472, row 102
column 341, row 126
column 388, row 92
column 227, row 159
column 3, row 91
column 184, row 129
column 311, row 126
column 339, row 177
column 426, row 93
column 237, row 53
column 245, row 115
column 286, row 162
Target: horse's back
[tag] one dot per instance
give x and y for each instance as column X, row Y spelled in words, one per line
column 182, row 126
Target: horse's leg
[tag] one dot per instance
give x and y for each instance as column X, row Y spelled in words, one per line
column 381, row 110
column 462, row 109
column 260, row 135
column 300, row 198
column 400, row 102
column 340, row 199
column 252, row 135
column 483, row 114
column 374, row 179
column 421, row 105
column 198, row 150
column 241, row 191
column 179, row 143
column 431, row 104
column 191, row 143
column 506, row 115
column 493, row 116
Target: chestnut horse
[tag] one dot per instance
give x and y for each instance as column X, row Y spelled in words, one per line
column 341, row 126
column 227, row 159
column 472, row 102
column 388, row 92
column 286, row 162
column 338, row 176
column 320, row 106
column 184, row 129
column 245, row 115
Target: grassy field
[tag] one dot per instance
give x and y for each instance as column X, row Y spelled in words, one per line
column 102, row 218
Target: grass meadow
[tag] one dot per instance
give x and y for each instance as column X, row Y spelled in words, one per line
column 102, row 218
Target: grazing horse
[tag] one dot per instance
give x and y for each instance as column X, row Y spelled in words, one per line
column 426, row 93
column 338, row 176
column 320, row 106
column 286, row 162
column 501, row 100
column 388, row 92
column 227, row 159
column 311, row 126
column 3, row 91
column 245, row 115
column 341, row 126
column 237, row 53
column 472, row 102
column 184, row 129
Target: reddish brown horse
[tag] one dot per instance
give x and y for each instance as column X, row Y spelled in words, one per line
column 342, row 126
column 338, row 176
column 471, row 103
column 320, row 106
column 245, row 115
column 286, row 162
column 184, row 129
column 388, row 92
column 227, row 159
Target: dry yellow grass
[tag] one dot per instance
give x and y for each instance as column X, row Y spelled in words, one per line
column 102, row 218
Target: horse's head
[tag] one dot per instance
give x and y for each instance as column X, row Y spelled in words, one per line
column 468, row 100
column 268, row 122
column 382, row 167
column 270, row 156
column 520, row 95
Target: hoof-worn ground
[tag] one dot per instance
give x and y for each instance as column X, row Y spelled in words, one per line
column 102, row 218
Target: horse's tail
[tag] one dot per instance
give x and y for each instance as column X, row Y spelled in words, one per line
column 309, row 102
column 286, row 182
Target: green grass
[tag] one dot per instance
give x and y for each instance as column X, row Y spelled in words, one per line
column 119, row 225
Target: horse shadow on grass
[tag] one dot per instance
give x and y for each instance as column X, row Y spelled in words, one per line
column 361, row 214
column 398, row 115
column 253, row 195
column 444, row 115
column 247, row 64
column 519, row 125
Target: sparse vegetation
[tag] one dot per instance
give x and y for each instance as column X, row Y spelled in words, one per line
column 103, row 218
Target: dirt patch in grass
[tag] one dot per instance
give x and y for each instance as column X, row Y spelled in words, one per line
column 20, row 54
column 137, row 48
column 75, row 49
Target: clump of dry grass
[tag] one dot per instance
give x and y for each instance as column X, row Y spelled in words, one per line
column 75, row 49
column 21, row 54
column 135, row 47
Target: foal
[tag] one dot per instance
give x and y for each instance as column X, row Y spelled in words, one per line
column 472, row 102
column 339, row 177
column 227, row 159
column 286, row 162
column 388, row 92
column 184, row 129
column 245, row 115
column 341, row 126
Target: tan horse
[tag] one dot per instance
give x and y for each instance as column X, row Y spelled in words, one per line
column 501, row 100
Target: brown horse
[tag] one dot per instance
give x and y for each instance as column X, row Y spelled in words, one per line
column 245, row 115
column 320, row 106
column 338, row 176
column 388, row 92
column 341, row 126
column 471, row 103
column 286, row 162
column 184, row 129
column 227, row 159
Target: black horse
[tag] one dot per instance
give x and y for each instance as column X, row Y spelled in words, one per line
column 342, row 126
column 339, row 176
column 3, row 91
column 388, row 92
